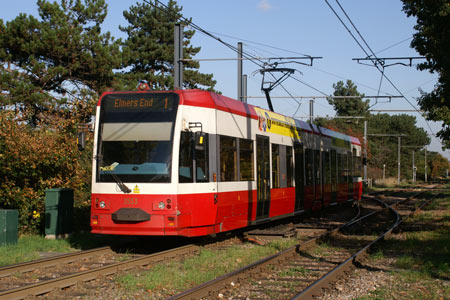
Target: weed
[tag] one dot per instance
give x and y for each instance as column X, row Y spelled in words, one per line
column 324, row 249
column 380, row 294
column 294, row 271
column 406, row 262
column 377, row 255
column 283, row 244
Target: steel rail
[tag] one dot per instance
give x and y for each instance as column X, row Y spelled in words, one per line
column 377, row 211
column 219, row 282
column 51, row 261
column 418, row 209
column 204, row 289
column 317, row 287
column 65, row 281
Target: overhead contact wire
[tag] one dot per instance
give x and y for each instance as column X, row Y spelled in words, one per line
column 198, row 28
column 376, row 59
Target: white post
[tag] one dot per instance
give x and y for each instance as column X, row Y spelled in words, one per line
column 398, row 179
column 425, row 164
column 178, row 56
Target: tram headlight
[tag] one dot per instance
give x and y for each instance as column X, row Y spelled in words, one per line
column 161, row 205
column 101, row 204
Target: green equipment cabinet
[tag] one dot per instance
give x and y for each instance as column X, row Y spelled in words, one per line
column 9, row 221
column 58, row 213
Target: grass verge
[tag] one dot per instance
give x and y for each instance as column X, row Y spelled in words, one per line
column 172, row 277
column 420, row 256
column 29, row 247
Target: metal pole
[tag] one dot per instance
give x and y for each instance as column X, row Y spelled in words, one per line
column 239, row 73
column 384, row 172
column 398, row 178
column 413, row 170
column 244, row 88
column 425, row 164
column 178, row 56
column 311, row 111
column 365, row 153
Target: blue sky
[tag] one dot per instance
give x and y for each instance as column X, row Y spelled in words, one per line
column 301, row 27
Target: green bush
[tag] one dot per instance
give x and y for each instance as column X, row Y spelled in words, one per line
column 36, row 158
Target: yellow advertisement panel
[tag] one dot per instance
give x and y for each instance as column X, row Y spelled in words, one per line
column 275, row 123
column 340, row 143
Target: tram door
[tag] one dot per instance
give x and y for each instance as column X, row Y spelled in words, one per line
column 299, row 177
column 334, row 176
column 350, row 176
column 263, row 177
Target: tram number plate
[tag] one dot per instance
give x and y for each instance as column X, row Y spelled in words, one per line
column 130, row 201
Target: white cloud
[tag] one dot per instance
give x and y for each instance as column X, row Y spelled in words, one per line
column 264, row 5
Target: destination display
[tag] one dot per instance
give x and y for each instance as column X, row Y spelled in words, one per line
column 152, row 102
column 139, row 107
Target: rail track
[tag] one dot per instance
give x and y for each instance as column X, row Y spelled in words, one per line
column 30, row 284
column 307, row 226
column 265, row 273
column 47, row 285
column 303, row 271
column 227, row 280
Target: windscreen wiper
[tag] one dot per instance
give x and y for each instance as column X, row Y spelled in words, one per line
column 119, row 182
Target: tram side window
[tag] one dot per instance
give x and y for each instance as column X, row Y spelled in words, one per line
column 349, row 167
column 326, row 167
column 189, row 157
column 339, row 168
column 202, row 161
column 246, row 167
column 356, row 164
column 317, row 166
column 333, row 167
column 309, row 167
column 358, row 169
column 343, row 175
column 289, row 167
column 228, row 159
column 186, row 157
column 276, row 166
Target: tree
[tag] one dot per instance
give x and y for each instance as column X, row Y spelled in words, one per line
column 51, row 70
column 149, row 49
column 439, row 165
column 381, row 150
column 348, row 106
column 432, row 40
column 384, row 150
column 64, row 53
column 33, row 160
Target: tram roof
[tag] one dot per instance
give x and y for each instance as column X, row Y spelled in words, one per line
column 207, row 99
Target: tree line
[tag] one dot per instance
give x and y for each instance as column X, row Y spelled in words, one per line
column 383, row 151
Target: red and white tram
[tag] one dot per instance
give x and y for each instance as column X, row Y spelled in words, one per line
column 192, row 163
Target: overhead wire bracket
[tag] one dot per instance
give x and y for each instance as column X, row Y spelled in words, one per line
column 381, row 61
